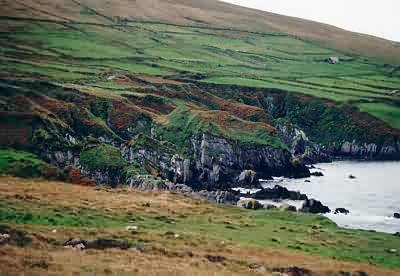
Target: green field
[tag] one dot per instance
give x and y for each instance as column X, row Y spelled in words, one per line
column 25, row 164
column 90, row 53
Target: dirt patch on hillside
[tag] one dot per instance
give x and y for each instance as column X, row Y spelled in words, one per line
column 159, row 80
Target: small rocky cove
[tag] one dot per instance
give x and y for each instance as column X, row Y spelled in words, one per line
column 344, row 191
column 235, row 196
column 216, row 169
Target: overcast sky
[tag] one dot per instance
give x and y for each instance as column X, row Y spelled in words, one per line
column 376, row 17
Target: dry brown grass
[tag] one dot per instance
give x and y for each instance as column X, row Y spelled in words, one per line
column 163, row 255
column 59, row 194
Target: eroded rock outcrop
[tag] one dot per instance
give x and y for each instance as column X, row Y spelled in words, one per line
column 247, row 178
column 215, row 163
column 314, row 206
column 367, row 150
column 277, row 192
column 300, row 145
column 251, row 204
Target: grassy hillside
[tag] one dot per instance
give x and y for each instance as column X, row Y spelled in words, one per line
column 84, row 81
column 175, row 235
column 92, row 54
column 206, row 13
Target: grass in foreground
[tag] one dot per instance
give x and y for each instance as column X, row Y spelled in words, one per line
column 171, row 225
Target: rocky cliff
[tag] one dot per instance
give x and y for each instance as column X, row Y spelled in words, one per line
column 216, row 163
column 334, row 129
column 189, row 134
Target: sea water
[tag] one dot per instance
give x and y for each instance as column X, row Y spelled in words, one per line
column 372, row 197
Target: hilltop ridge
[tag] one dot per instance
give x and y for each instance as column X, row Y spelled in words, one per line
column 208, row 13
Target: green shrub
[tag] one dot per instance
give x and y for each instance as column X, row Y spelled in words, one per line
column 103, row 157
column 134, row 169
column 27, row 165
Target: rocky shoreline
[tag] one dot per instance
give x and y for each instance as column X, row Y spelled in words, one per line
column 234, row 197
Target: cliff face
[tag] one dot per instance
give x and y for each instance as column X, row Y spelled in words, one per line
column 386, row 151
column 333, row 129
column 216, row 163
column 214, row 144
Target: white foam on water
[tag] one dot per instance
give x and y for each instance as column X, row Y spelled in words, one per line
column 297, row 203
column 372, row 197
column 245, row 190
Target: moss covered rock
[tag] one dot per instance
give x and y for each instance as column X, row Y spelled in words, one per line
column 24, row 164
column 102, row 158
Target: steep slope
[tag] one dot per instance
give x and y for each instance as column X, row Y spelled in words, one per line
column 90, row 89
column 209, row 13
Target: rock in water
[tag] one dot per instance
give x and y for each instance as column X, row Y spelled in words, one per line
column 396, row 215
column 314, row 206
column 352, row 176
column 278, row 192
column 317, row 174
column 341, row 211
column 250, row 204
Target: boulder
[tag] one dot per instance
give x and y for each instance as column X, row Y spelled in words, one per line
column 292, row 271
column 4, row 237
column 352, row 176
column 181, row 188
column 288, row 208
column 148, row 182
column 13, row 236
column 224, row 197
column 341, row 211
column 76, row 244
column 250, row 204
column 215, row 258
column 270, row 207
column 396, row 215
column 278, row 192
column 132, row 228
column 102, row 244
column 247, row 178
column 314, row 206
column 317, row 174
column 99, row 244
